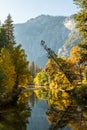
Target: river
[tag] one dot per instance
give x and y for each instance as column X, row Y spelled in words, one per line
column 38, row 119
column 41, row 116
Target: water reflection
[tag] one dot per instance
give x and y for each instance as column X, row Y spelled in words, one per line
column 32, row 99
column 38, row 120
column 69, row 117
column 63, row 114
column 14, row 119
column 44, row 112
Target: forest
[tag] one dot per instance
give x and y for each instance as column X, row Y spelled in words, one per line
column 65, row 78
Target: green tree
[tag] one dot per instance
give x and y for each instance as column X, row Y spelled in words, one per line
column 81, row 24
column 9, row 29
column 34, row 69
column 2, row 79
column 3, row 38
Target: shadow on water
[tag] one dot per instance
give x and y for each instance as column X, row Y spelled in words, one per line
column 14, row 119
column 32, row 117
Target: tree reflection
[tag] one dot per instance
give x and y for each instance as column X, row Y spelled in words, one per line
column 43, row 93
column 14, row 119
column 32, row 99
column 73, row 116
column 64, row 110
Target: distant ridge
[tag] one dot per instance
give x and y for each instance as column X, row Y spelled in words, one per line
column 58, row 32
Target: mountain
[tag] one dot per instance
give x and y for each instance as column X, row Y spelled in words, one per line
column 58, row 32
column 73, row 38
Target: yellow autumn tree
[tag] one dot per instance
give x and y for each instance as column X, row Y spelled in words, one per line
column 21, row 65
column 75, row 54
column 8, row 69
column 41, row 78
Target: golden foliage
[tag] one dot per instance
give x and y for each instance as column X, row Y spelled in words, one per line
column 8, row 69
column 75, row 56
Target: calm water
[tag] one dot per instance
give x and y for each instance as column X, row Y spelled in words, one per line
column 38, row 119
column 40, row 116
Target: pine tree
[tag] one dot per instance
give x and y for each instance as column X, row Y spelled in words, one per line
column 8, row 26
column 81, row 24
column 3, row 38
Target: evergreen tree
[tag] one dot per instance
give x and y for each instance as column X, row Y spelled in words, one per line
column 34, row 69
column 3, row 38
column 61, row 63
column 8, row 26
column 81, row 24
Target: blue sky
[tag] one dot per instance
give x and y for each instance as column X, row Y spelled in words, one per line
column 23, row 10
